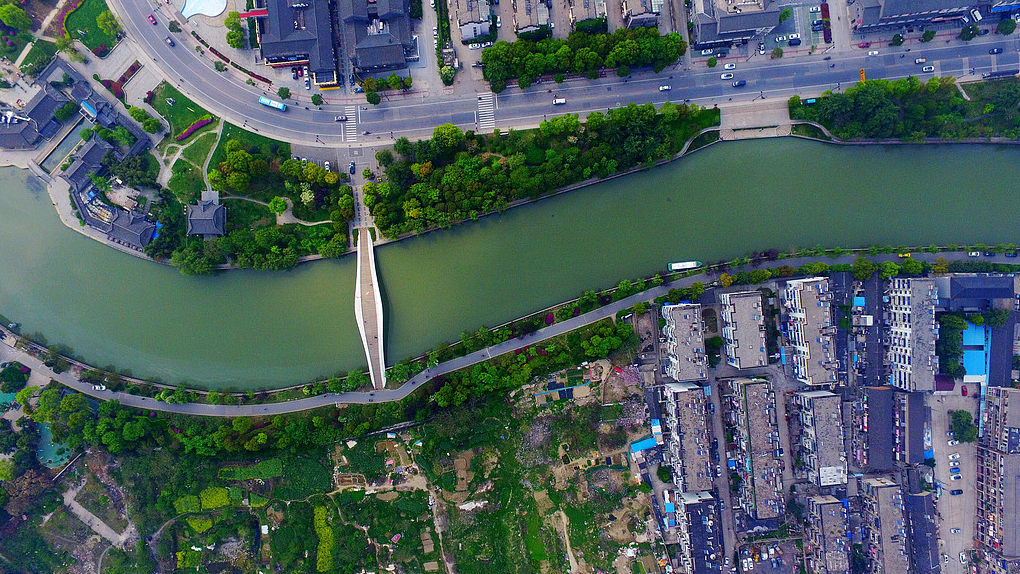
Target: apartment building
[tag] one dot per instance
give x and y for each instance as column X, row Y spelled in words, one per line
column 826, row 536
column 687, row 436
column 884, row 523
column 911, row 332
column 757, row 437
column 998, row 482
column 685, row 342
column 821, row 439
column 809, row 330
column 743, row 329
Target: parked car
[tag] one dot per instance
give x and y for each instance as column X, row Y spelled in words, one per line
column 730, row 67
column 963, row 390
column 795, row 42
column 293, row 73
column 351, row 168
column 956, row 492
column 995, row 51
column 817, row 23
column 152, row 19
column 326, row 165
column 928, row 69
column 954, row 456
column 726, row 77
column 708, row 51
column 963, row 558
column 308, row 83
column 780, row 39
column 435, row 31
column 864, row 45
column 665, row 88
column 954, row 470
column 954, row 463
column 949, row 434
column 954, row 530
column 956, row 477
column 815, row 9
column 499, row 21
column 984, row 32
column 873, row 53
column 794, row 36
column 953, row 443
column 817, row 27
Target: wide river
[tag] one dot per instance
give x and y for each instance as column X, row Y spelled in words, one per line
column 255, row 330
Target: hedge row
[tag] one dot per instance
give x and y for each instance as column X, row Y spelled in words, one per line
column 195, row 126
column 269, row 468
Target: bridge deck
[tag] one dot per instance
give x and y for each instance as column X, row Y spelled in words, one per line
column 368, row 309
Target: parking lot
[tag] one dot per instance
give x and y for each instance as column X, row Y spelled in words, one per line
column 777, row 557
column 953, row 511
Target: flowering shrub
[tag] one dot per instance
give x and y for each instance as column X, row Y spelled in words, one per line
column 197, row 125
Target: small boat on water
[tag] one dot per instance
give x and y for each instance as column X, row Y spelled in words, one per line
column 685, row 265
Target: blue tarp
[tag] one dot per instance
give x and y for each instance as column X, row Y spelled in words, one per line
column 929, row 453
column 782, row 355
column 731, row 464
column 858, row 301
column 974, row 362
column 670, row 507
column 974, row 335
column 642, row 445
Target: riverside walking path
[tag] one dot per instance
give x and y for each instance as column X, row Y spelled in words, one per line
column 387, row 395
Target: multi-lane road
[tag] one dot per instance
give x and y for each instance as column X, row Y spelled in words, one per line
column 415, row 116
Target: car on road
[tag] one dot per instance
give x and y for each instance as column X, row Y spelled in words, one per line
column 351, row 168
column 739, row 83
column 920, row 60
column 1010, row 254
column 928, row 69
column 963, row 390
column 953, row 443
column 780, row 39
column 903, row 255
column 954, row 530
column 995, row 51
column 864, row 45
column 730, row 67
column 973, row 254
column 559, row 101
column 873, row 53
column 98, row 387
column 954, row 456
column 956, row 492
column 169, row 41
column 956, row 477
column 152, row 19
column 340, row 118
column 815, row 9
column 726, row 77
column 665, row 88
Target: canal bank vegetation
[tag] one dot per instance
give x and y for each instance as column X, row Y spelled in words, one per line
column 456, row 176
column 911, row 110
column 582, row 53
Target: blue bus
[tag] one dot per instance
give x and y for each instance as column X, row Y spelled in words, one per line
column 273, row 103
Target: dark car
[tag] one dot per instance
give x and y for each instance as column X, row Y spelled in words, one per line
column 739, row 83
column 995, row 51
column 351, row 168
column 795, row 42
column 169, row 41
column 1011, row 254
column 983, row 32
column 293, row 73
column 956, row 492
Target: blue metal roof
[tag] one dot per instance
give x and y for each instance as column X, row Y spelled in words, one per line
column 643, row 444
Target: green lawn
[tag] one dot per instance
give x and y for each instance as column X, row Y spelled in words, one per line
column 182, row 114
column 186, row 183
column 84, row 19
column 20, row 40
column 40, row 55
column 199, row 148
column 245, row 214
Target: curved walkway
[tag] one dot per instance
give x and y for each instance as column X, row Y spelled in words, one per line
column 387, row 395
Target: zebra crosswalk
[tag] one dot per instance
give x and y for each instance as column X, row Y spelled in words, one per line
column 486, row 112
column 351, row 125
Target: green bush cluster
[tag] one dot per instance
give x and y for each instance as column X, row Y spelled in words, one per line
column 266, row 469
column 214, row 497
column 324, row 552
column 199, row 523
column 187, row 504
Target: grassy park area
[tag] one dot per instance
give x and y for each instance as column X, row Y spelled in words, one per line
column 81, row 24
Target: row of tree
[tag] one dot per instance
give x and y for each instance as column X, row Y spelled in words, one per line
column 912, row 110
column 457, row 176
column 580, row 53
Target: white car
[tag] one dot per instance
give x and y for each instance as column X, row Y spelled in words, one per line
column 815, row 9
column 873, row 53
column 499, row 21
column 954, row 530
column 98, row 387
column 953, row 443
column 326, row 165
column 794, row 36
column 761, row 52
column 474, row 46
column 928, row 69
column 963, row 558
column 780, row 39
column 726, row 77
column 665, row 88
column 954, row 456
column 950, row 434
column 435, row 31
column 730, row 67
column 708, row 51
column 954, row 464
column 956, row 477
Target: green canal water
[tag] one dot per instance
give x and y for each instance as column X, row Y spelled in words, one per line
column 251, row 330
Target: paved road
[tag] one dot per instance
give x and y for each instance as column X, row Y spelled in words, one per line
column 8, row 353
column 415, row 117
